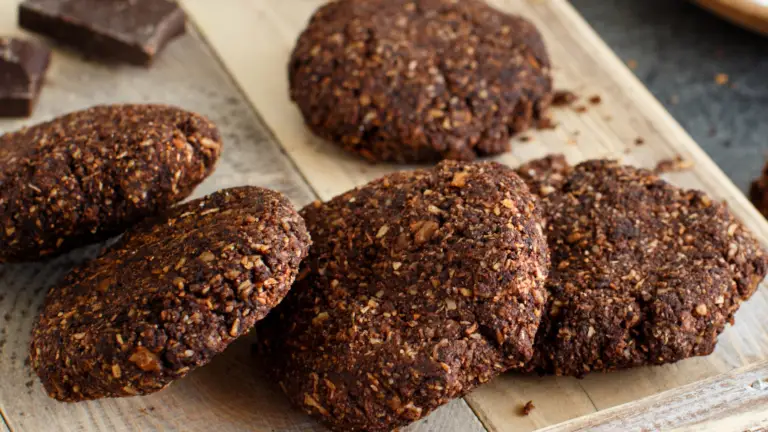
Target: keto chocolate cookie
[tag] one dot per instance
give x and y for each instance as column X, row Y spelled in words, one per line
column 419, row 80
column 642, row 272
column 89, row 175
column 419, row 287
column 171, row 294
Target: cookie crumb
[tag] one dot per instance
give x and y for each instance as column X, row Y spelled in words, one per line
column 563, row 98
column 721, row 79
column 581, row 109
column 546, row 123
column 526, row 138
column 639, row 141
column 632, row 64
column 528, row 407
column 672, row 165
column 595, row 100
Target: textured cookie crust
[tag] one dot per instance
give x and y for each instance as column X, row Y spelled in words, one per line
column 419, row 80
column 642, row 272
column 172, row 293
column 89, row 175
column 545, row 175
column 421, row 286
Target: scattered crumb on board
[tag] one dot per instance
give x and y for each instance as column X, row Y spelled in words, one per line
column 563, row 98
column 545, row 123
column 639, row 141
column 672, row 165
column 632, row 64
column 595, row 100
column 527, row 408
column 721, row 79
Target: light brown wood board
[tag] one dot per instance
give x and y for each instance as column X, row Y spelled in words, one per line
column 254, row 38
column 270, row 147
column 735, row 401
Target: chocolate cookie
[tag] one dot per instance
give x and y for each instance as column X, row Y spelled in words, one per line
column 758, row 192
column 171, row 294
column 89, row 175
column 419, row 287
column 419, row 80
column 642, row 272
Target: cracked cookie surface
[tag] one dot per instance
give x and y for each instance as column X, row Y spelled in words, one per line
column 642, row 272
column 419, row 287
column 419, row 80
column 172, row 293
column 87, row 176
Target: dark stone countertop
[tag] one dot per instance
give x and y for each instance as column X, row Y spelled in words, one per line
column 679, row 49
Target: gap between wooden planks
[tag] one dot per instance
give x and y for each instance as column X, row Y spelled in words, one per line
column 254, row 38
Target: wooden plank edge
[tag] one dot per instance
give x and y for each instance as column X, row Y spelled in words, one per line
column 737, row 400
column 4, row 427
column 695, row 154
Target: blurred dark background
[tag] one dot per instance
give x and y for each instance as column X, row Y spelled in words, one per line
column 679, row 50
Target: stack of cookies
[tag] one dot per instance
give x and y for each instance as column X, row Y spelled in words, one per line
column 374, row 308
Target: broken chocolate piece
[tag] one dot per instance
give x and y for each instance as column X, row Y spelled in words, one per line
column 132, row 31
column 22, row 67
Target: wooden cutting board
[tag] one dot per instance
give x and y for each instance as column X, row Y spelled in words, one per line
column 752, row 14
column 236, row 75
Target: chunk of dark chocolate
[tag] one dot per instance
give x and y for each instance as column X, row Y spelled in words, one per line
column 132, row 31
column 22, row 68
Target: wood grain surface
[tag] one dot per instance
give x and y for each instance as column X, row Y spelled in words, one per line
column 733, row 401
column 267, row 144
column 584, row 64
